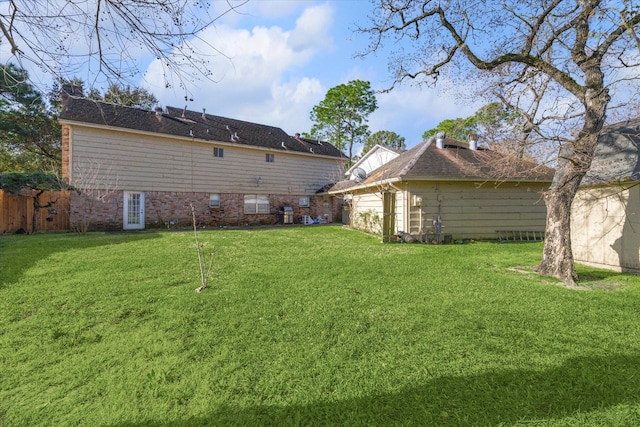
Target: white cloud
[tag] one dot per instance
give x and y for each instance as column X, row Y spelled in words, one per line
column 409, row 111
column 311, row 28
column 257, row 73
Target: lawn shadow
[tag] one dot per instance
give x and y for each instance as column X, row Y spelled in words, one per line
column 19, row 252
column 579, row 386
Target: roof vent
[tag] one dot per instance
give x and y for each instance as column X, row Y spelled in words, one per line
column 159, row 111
column 440, row 136
column 204, row 114
column 473, row 141
column 283, row 145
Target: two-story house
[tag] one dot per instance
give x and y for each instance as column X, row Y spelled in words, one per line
column 135, row 168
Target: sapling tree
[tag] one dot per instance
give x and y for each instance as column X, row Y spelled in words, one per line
column 204, row 265
column 95, row 184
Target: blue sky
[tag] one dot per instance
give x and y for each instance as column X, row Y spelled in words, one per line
column 283, row 56
column 273, row 60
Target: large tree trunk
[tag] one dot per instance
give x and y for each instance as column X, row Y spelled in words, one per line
column 574, row 161
column 557, row 256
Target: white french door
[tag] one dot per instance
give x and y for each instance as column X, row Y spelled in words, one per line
column 133, row 210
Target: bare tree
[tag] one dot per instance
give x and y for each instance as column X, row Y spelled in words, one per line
column 61, row 37
column 558, row 61
column 94, row 185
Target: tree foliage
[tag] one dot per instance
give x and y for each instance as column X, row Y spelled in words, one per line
column 18, row 182
column 125, row 95
column 385, row 138
column 32, row 185
column 496, row 125
column 458, row 128
column 29, row 129
column 341, row 117
column 558, row 63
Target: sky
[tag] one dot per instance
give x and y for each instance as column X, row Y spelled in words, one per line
column 280, row 59
column 272, row 61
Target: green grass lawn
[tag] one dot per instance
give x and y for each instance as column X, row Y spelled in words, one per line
column 308, row 326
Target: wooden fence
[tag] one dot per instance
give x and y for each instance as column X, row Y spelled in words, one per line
column 16, row 212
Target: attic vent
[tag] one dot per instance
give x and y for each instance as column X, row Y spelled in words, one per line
column 440, row 136
column 473, row 141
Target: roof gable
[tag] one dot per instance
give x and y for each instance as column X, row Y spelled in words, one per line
column 374, row 158
column 190, row 124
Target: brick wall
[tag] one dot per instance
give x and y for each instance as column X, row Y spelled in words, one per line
column 173, row 210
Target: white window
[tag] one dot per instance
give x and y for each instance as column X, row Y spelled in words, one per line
column 214, row 200
column 270, row 158
column 218, row 152
column 304, row 202
column 256, row 204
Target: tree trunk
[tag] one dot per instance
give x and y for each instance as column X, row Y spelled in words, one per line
column 36, row 211
column 574, row 160
column 557, row 256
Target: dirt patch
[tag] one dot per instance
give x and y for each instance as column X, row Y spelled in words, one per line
column 586, row 284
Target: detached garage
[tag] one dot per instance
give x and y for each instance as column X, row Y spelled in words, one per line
column 605, row 222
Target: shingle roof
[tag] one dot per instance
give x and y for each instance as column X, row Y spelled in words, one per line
column 616, row 158
column 185, row 123
column 455, row 162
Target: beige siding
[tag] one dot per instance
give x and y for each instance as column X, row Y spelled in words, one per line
column 153, row 163
column 605, row 228
column 367, row 212
column 476, row 210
